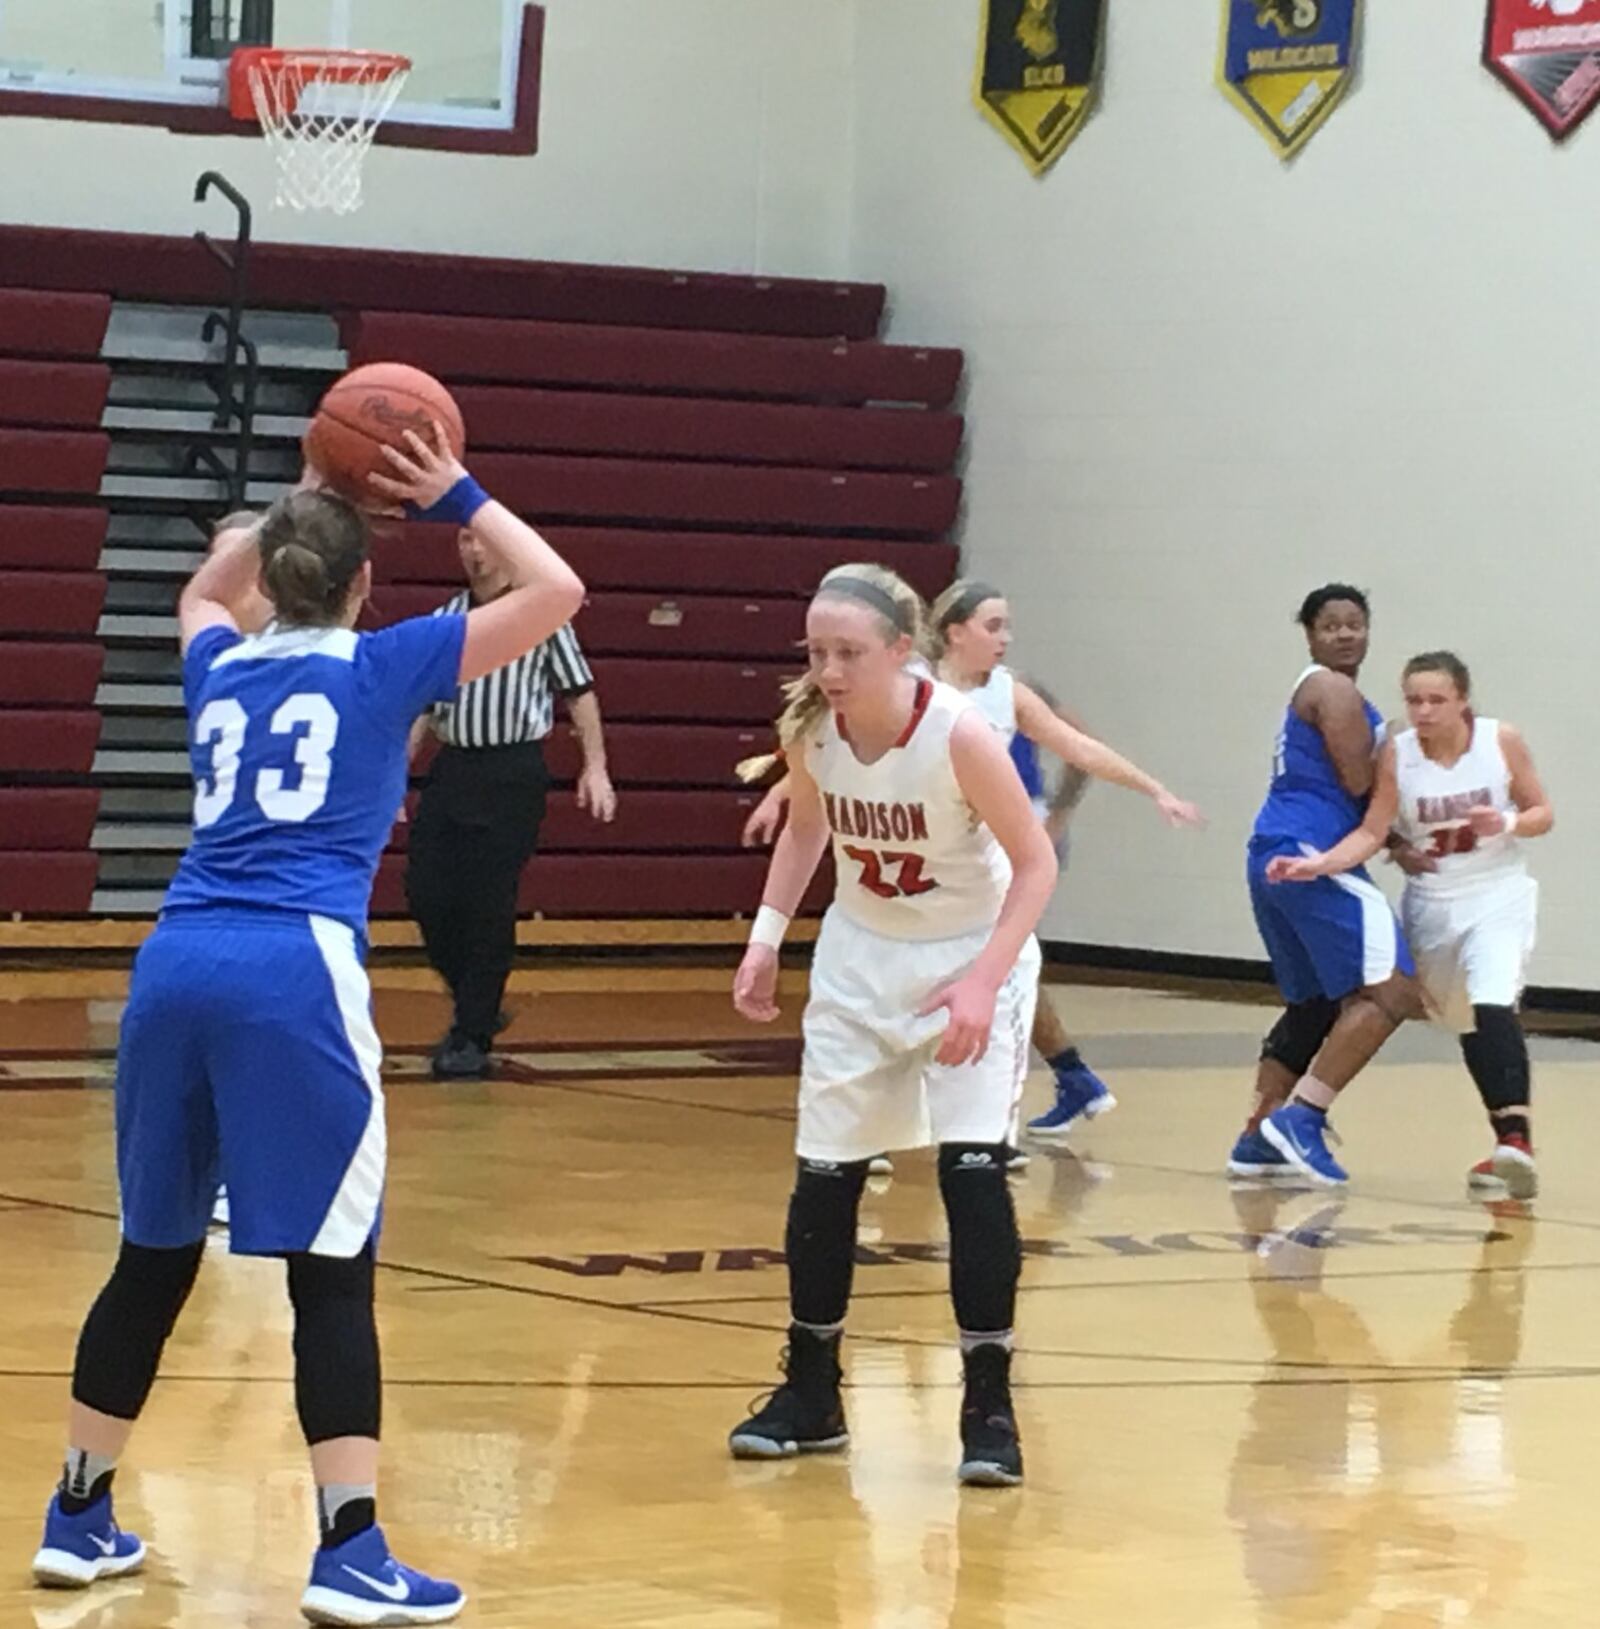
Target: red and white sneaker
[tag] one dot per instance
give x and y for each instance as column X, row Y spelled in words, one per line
column 1511, row 1167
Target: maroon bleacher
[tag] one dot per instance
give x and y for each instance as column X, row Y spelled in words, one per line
column 703, row 447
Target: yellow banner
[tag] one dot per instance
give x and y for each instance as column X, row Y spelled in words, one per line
column 1038, row 65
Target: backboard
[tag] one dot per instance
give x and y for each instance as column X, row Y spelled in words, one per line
column 473, row 86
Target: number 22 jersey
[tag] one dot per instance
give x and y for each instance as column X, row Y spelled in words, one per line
column 297, row 740
column 913, row 860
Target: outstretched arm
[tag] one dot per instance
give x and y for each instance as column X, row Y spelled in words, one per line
column 1041, row 724
column 1359, row 847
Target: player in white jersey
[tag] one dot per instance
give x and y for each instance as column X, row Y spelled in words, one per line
column 1463, row 793
column 972, row 634
column 922, row 990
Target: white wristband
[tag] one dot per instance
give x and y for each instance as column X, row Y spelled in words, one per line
column 769, row 927
column 1510, row 827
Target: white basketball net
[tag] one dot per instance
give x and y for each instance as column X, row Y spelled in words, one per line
column 319, row 111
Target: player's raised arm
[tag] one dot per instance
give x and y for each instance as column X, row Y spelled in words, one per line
column 227, row 579
column 545, row 591
column 1359, row 847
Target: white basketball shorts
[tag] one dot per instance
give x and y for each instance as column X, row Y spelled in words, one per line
column 868, row 1079
column 1472, row 948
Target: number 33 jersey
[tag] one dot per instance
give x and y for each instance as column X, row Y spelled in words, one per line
column 1434, row 804
column 297, row 740
column 913, row 860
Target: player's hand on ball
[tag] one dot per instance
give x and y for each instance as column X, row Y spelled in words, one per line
column 1290, row 868
column 1176, row 812
column 755, row 985
column 970, row 1004
column 421, row 474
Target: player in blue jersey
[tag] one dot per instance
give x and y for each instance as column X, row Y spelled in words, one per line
column 1337, row 954
column 247, row 1050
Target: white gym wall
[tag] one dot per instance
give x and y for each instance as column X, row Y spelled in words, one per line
column 1201, row 383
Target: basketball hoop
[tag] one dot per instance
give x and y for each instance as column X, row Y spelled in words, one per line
column 319, row 110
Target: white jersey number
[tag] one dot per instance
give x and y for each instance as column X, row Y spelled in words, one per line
column 223, row 724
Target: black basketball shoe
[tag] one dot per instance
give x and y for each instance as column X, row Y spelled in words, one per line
column 991, row 1455
column 805, row 1415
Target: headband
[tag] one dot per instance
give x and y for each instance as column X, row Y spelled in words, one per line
column 880, row 599
column 972, row 596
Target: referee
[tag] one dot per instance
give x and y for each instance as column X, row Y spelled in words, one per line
column 479, row 816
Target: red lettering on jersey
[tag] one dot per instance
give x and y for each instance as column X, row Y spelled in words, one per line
column 919, row 823
column 1453, row 806
column 880, row 822
column 872, row 873
column 831, row 811
column 909, row 881
column 861, row 818
column 1450, row 840
column 899, row 823
column 841, row 822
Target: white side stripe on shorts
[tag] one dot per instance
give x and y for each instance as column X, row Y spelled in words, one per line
column 354, row 1210
column 1380, row 933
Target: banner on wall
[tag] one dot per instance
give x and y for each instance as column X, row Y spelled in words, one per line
column 1548, row 52
column 1286, row 63
column 1038, row 63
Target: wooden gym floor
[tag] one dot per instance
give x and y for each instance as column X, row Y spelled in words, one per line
column 1239, row 1408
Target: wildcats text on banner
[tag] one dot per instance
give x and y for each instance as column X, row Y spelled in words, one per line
column 1548, row 52
column 1286, row 63
column 1038, row 61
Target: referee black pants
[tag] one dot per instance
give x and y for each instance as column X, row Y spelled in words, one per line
column 477, row 824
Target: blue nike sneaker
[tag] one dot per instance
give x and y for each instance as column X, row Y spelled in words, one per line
column 359, row 1583
column 1080, row 1094
column 1300, row 1133
column 78, row 1550
column 1254, row 1156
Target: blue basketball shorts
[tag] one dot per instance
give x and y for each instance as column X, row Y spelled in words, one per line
column 248, row 1057
column 1330, row 937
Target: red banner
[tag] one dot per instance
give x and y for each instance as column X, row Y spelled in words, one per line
column 1548, row 52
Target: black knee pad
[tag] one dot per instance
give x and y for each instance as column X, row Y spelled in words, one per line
column 1298, row 1035
column 338, row 1379
column 127, row 1327
column 1496, row 1055
column 820, row 1239
column 985, row 1248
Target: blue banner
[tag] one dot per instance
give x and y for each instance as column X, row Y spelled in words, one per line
column 1286, row 63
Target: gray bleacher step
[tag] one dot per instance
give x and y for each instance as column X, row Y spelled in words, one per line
column 140, row 762
column 146, row 805
column 164, row 460
column 139, row 698
column 179, row 563
column 126, row 901
column 165, row 488
column 141, row 531
column 286, row 341
column 195, row 392
column 130, row 837
column 198, row 423
column 137, row 870
column 142, row 664
column 144, row 732
column 117, row 626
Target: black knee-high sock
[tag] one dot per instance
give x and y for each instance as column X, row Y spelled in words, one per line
column 985, row 1248
column 1496, row 1054
column 820, row 1240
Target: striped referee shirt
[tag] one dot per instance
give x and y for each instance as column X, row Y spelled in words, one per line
column 515, row 703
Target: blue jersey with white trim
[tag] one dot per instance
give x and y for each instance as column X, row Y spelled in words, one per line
column 1306, row 802
column 297, row 741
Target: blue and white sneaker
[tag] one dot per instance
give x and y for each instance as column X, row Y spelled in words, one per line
column 359, row 1583
column 1080, row 1094
column 1300, row 1133
column 79, row 1550
column 1254, row 1157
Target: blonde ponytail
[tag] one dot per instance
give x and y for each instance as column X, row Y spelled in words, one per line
column 804, row 704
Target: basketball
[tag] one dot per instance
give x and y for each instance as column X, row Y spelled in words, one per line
column 369, row 409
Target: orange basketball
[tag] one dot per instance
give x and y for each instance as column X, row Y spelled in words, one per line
column 370, row 408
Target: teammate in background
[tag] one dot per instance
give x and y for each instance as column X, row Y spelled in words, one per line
column 1341, row 966
column 1463, row 791
column 247, row 1049
column 972, row 634
column 922, row 991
